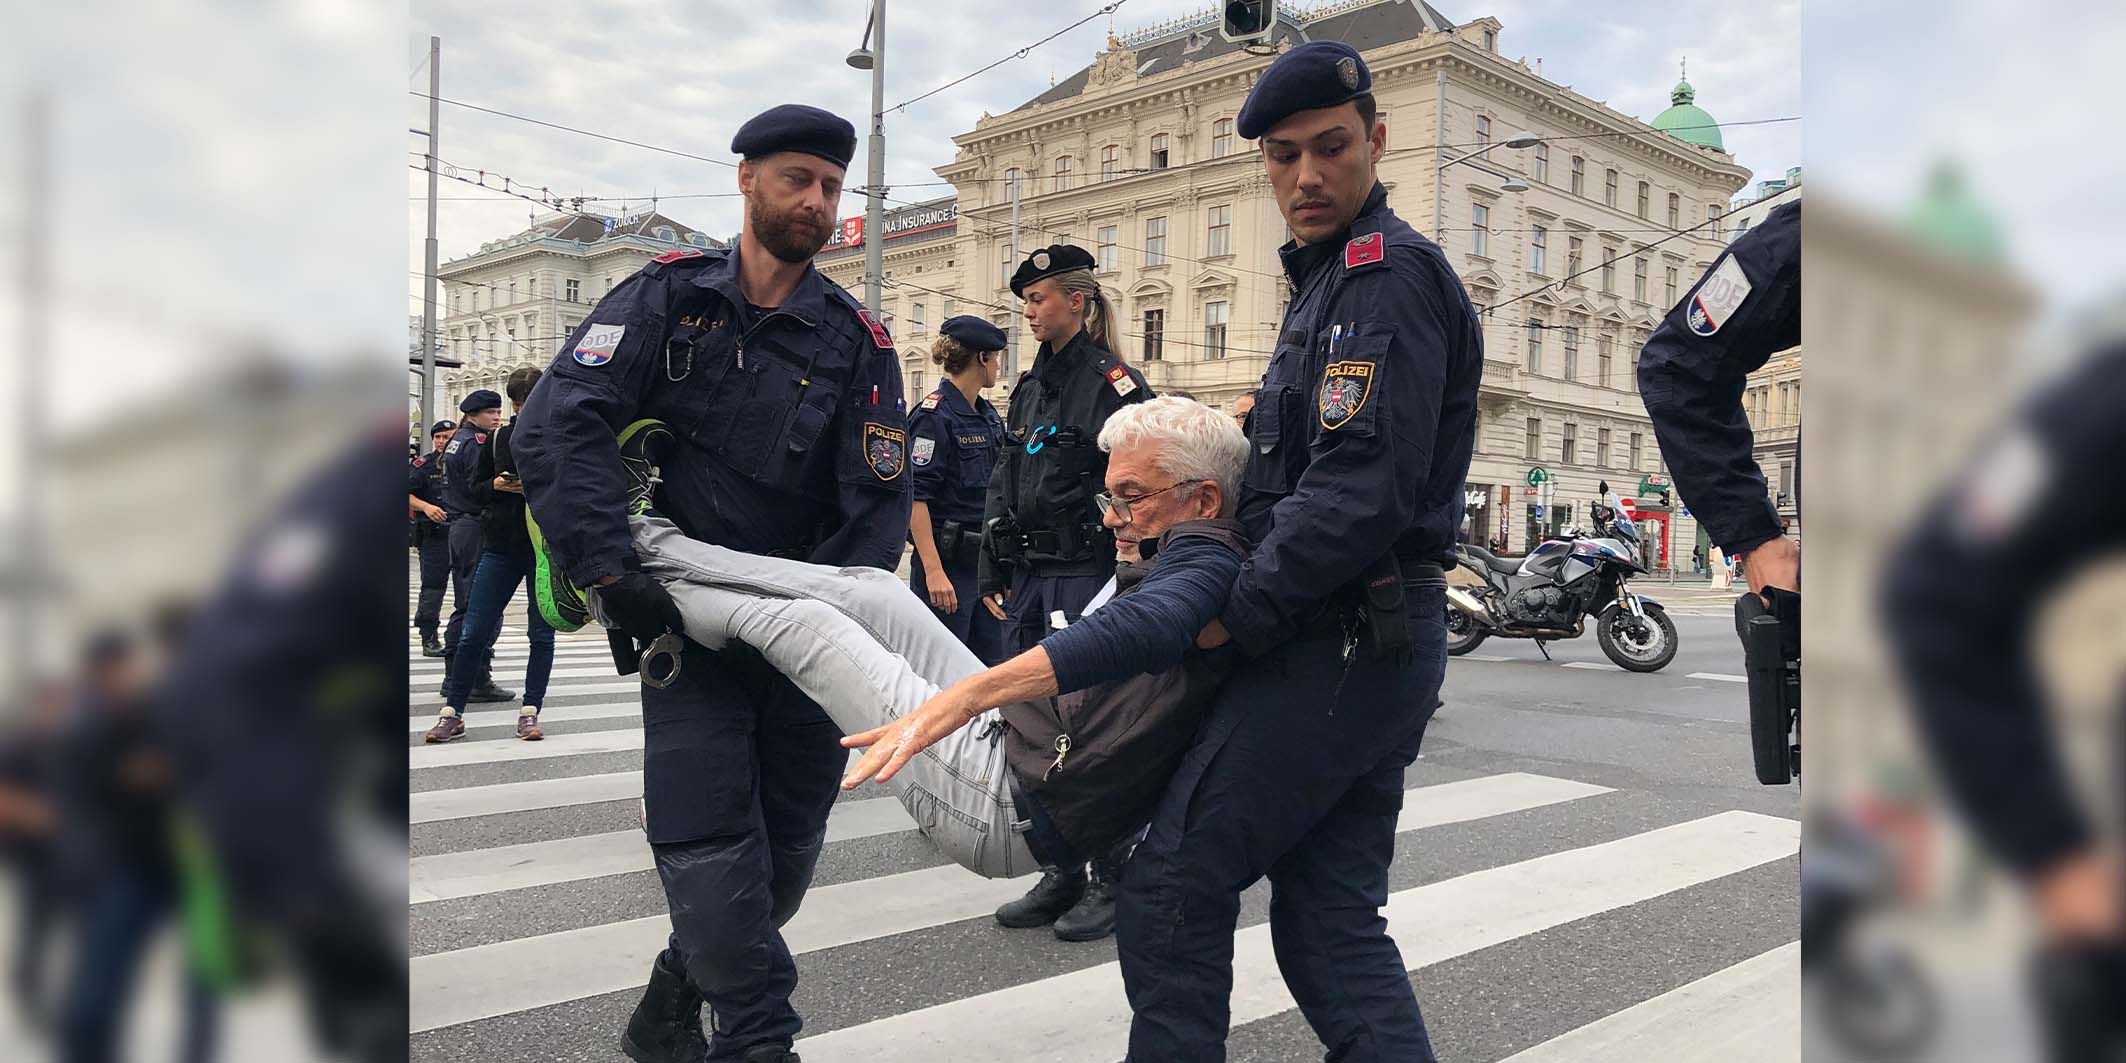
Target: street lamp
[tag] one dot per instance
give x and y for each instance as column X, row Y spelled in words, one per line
column 1511, row 183
column 871, row 55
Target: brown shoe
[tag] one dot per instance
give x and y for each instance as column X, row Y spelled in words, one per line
column 528, row 725
column 447, row 729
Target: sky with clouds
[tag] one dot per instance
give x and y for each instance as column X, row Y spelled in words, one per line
column 684, row 76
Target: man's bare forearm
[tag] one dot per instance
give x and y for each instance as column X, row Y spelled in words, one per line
column 1023, row 678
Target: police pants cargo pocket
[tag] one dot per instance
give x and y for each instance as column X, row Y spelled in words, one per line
column 697, row 772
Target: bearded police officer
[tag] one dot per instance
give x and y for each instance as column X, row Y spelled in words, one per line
column 1045, row 551
column 954, row 435
column 1360, row 441
column 480, row 413
column 785, row 398
column 424, row 489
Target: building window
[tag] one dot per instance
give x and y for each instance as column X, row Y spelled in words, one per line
column 1380, row 118
column 1542, row 164
column 1110, row 161
column 1214, row 320
column 915, row 383
column 1220, row 240
column 1483, row 130
column 1480, row 230
column 1609, row 270
column 1567, row 445
column 1579, row 176
column 1159, row 151
column 1675, row 211
column 1635, row 446
column 1638, row 279
column 1609, row 188
column 574, row 288
column 1671, row 286
column 952, row 309
column 1221, row 138
column 1573, row 258
column 1491, row 40
column 1602, row 448
column 1712, row 212
column 1155, row 241
column 1572, row 351
column 915, row 317
column 1535, row 346
column 1538, row 250
column 1602, row 359
column 1534, row 449
column 1106, row 244
column 1646, row 192
column 1007, row 264
column 1154, row 334
column 1064, row 177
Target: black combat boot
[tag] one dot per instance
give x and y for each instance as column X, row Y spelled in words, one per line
column 666, row 1026
column 491, row 691
column 770, row 1054
column 1049, row 898
column 1093, row 917
column 431, row 646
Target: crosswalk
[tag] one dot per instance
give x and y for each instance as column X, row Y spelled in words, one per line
column 534, row 911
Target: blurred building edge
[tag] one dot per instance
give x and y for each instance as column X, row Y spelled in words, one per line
column 147, row 503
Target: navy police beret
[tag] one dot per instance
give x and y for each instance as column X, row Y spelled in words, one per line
column 1047, row 262
column 796, row 127
column 444, row 425
column 482, row 399
column 1314, row 75
column 974, row 333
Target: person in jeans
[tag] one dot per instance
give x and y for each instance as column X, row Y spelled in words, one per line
column 506, row 561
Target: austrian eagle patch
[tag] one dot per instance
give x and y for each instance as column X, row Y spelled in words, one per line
column 1344, row 389
column 885, row 450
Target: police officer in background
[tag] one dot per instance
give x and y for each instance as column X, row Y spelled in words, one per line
column 480, row 413
column 785, row 398
column 953, row 438
column 1691, row 375
column 1045, row 551
column 424, row 490
column 1361, row 438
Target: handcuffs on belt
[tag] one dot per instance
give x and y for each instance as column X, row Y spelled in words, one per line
column 668, row 646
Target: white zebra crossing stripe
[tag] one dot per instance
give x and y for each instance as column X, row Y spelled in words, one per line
column 466, row 874
column 611, row 710
column 557, row 690
column 518, row 655
column 1721, row 677
column 465, row 802
column 1083, row 1015
column 461, row 753
column 1594, row 665
column 1485, row 657
column 447, row 876
column 435, row 679
column 1748, row 1013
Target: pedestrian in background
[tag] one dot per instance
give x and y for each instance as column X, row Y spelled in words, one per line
column 431, row 540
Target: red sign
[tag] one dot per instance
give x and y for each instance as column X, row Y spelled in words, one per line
column 852, row 230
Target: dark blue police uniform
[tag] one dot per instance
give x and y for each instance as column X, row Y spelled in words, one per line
column 952, row 449
column 792, row 441
column 1361, row 437
column 463, row 535
column 424, row 480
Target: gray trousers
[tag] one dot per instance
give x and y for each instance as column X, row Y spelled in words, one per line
column 868, row 652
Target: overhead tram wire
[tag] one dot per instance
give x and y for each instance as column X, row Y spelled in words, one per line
column 1020, row 54
column 575, row 130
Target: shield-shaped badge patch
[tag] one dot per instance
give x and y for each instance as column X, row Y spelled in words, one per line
column 884, row 449
column 1344, row 388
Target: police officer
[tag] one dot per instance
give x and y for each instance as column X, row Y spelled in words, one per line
column 1691, row 374
column 480, row 413
column 424, row 489
column 1045, row 552
column 1361, row 437
column 954, row 435
column 785, row 398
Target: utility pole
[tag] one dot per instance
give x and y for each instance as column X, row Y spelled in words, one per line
column 29, row 577
column 875, row 202
column 1011, row 359
column 428, row 281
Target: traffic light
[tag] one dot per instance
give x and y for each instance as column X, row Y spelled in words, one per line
column 1248, row 21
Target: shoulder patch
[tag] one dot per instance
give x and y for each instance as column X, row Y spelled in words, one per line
column 879, row 338
column 1718, row 296
column 884, row 449
column 453, row 447
column 930, row 401
column 479, row 437
column 598, row 344
column 418, row 462
column 1118, row 378
column 925, row 448
column 674, row 256
column 1365, row 250
column 1344, row 388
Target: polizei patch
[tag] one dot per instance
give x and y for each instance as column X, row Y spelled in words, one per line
column 598, row 344
column 1344, row 387
column 1718, row 297
column 884, row 450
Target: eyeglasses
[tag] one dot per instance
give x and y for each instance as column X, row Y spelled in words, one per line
column 1120, row 506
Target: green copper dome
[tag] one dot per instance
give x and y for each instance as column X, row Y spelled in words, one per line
column 1950, row 219
column 1687, row 122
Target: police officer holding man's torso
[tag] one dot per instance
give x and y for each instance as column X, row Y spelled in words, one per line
column 480, row 413
column 954, row 435
column 424, row 483
column 785, row 400
column 1045, row 552
column 1361, row 437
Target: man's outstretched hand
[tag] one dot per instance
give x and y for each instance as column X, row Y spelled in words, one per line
column 893, row 745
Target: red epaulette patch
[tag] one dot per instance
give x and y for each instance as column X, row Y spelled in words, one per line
column 930, row 401
column 1364, row 250
column 418, row 462
column 674, row 256
column 879, row 338
column 479, row 437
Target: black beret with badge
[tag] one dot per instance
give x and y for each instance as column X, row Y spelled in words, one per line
column 482, row 399
column 1047, row 262
column 1311, row 76
column 796, row 127
column 444, row 425
column 974, row 333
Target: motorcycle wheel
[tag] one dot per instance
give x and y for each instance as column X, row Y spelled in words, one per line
column 1646, row 651
column 1462, row 633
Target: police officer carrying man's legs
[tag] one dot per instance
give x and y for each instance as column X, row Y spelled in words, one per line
column 424, row 485
column 1361, row 439
column 480, row 414
column 954, row 435
column 1045, row 552
column 784, row 396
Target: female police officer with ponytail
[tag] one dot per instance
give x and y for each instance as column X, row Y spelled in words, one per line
column 954, row 435
column 1045, row 553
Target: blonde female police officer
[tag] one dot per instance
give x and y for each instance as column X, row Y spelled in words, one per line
column 954, row 435
column 1045, row 552
column 785, row 398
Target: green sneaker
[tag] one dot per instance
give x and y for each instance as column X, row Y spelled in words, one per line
column 643, row 447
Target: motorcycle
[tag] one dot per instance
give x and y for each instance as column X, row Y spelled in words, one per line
column 1549, row 594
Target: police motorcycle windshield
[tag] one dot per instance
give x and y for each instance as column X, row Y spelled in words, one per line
column 1625, row 529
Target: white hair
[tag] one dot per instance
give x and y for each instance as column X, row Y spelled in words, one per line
column 1191, row 441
